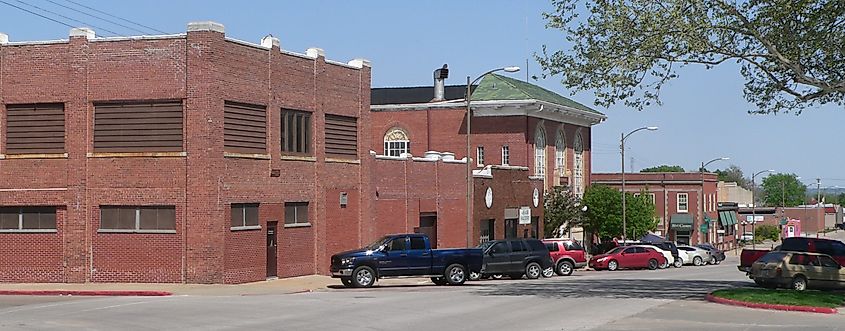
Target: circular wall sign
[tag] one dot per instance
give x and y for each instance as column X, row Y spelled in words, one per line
column 536, row 198
column 488, row 197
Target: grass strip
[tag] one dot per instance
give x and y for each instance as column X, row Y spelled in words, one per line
column 784, row 297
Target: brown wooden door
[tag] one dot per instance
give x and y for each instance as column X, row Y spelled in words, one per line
column 272, row 244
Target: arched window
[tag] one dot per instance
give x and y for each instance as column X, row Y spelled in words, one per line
column 540, row 151
column 396, row 142
column 578, row 185
column 560, row 156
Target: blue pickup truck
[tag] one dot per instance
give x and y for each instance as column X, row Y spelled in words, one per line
column 405, row 255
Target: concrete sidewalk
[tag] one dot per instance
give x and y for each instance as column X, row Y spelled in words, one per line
column 275, row 286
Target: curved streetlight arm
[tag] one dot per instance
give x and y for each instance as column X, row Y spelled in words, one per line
column 652, row 128
column 705, row 164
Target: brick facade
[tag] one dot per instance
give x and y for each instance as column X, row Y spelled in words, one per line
column 700, row 190
column 201, row 68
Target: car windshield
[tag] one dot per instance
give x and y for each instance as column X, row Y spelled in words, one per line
column 376, row 244
column 485, row 245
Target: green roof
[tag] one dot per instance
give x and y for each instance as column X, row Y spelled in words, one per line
column 496, row 87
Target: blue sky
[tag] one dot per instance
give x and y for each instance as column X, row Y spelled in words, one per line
column 703, row 116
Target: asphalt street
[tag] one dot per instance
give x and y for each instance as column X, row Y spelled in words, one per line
column 670, row 299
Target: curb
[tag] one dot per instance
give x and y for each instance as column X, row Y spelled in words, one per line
column 86, row 293
column 807, row 309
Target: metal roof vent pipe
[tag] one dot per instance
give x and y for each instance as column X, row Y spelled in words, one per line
column 440, row 76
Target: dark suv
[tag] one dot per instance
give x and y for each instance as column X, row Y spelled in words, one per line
column 514, row 258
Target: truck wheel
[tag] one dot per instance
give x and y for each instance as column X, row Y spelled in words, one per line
column 438, row 281
column 363, row 276
column 474, row 275
column 564, row 268
column 533, row 270
column 696, row 261
column 612, row 265
column 346, row 281
column 679, row 262
column 455, row 274
column 652, row 264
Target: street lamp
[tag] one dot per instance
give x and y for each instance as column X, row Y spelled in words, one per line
column 469, row 148
column 703, row 208
column 754, row 207
column 622, row 148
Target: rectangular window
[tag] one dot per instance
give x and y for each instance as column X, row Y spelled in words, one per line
column 35, row 129
column 506, row 155
column 651, row 198
column 479, row 156
column 683, row 202
column 296, row 213
column 341, row 137
column 244, row 215
column 137, row 219
column 138, row 127
column 27, row 218
column 296, row 132
column 244, row 128
column 397, row 148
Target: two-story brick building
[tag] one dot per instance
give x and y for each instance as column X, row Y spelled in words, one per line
column 192, row 157
column 683, row 201
column 515, row 125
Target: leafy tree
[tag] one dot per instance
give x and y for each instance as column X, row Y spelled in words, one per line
column 789, row 52
column 783, row 188
column 604, row 212
column 766, row 231
column 664, row 168
column 734, row 174
column 560, row 208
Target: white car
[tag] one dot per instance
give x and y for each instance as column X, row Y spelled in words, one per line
column 666, row 254
column 748, row 236
column 695, row 256
column 684, row 257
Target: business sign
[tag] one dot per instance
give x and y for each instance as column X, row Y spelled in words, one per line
column 524, row 215
column 753, row 219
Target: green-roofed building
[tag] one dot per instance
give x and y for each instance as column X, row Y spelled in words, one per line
column 514, row 124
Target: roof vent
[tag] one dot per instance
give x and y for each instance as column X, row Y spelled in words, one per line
column 440, row 76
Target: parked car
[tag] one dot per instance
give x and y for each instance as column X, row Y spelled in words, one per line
column 798, row 271
column 405, row 255
column 676, row 261
column 717, row 255
column 695, row 256
column 834, row 248
column 567, row 255
column 666, row 254
column 514, row 258
column 748, row 236
column 628, row 257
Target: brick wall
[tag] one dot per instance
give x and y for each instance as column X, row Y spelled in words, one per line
column 203, row 69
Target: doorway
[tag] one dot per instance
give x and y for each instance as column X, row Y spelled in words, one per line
column 488, row 230
column 428, row 226
column 272, row 244
column 510, row 228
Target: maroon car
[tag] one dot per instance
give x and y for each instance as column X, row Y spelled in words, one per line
column 628, row 257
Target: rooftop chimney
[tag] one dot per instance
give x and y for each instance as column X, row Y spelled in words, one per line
column 440, row 76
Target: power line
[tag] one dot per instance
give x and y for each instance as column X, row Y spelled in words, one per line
column 114, row 16
column 37, row 14
column 95, row 16
column 68, row 18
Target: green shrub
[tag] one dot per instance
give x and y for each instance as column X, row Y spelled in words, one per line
column 766, row 231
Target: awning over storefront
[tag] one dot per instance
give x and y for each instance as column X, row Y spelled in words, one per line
column 727, row 218
column 681, row 222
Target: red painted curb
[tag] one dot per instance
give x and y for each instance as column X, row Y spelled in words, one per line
column 808, row 309
column 86, row 293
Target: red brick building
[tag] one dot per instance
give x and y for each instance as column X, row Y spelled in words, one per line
column 184, row 158
column 515, row 125
column 681, row 200
column 428, row 195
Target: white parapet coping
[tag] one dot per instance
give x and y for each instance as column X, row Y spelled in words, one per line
column 206, row 26
column 83, row 32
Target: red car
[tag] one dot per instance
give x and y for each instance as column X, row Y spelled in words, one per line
column 628, row 257
column 566, row 255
